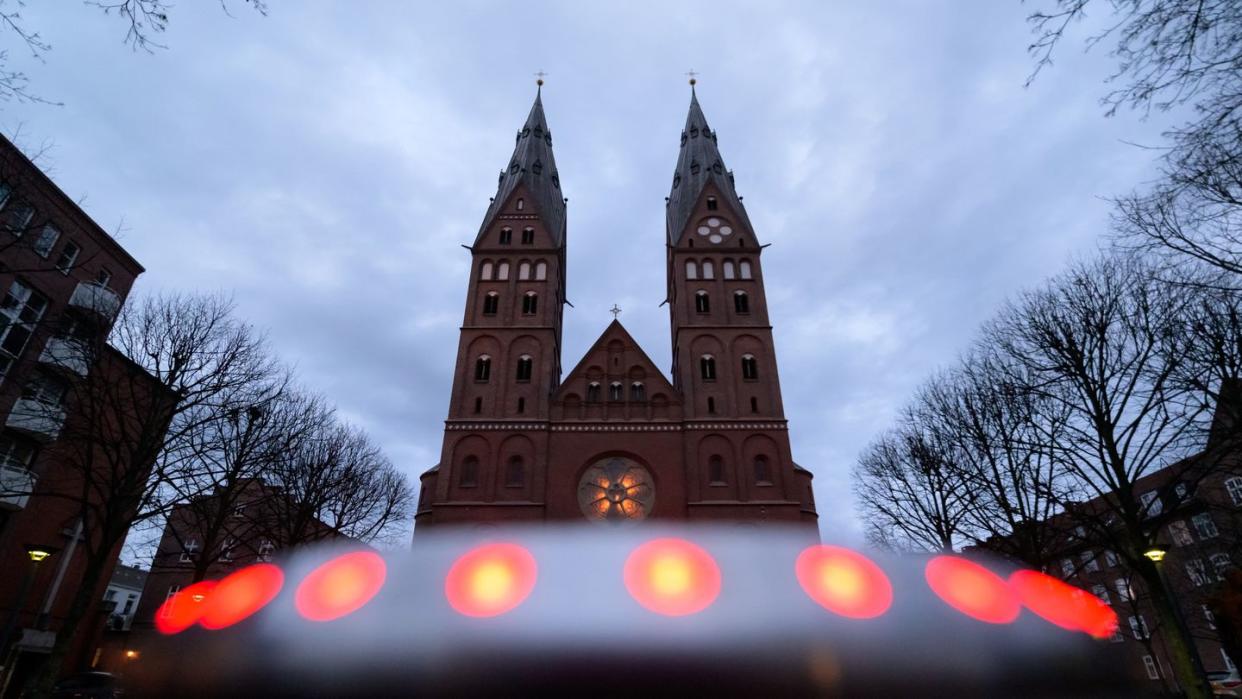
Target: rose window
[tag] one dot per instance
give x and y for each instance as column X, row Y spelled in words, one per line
column 616, row 490
column 715, row 229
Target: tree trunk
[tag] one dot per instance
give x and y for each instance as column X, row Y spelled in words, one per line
column 83, row 600
column 1177, row 640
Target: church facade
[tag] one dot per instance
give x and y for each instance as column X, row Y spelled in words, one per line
column 614, row 440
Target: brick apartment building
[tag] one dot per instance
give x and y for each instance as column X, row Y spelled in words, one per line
column 63, row 280
column 615, row 440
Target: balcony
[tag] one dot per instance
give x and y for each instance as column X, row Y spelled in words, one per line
column 66, row 355
column 36, row 419
column 16, row 484
column 97, row 299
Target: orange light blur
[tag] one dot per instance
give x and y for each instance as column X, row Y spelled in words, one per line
column 672, row 577
column 844, row 582
column 490, row 580
column 1063, row 604
column 972, row 589
column 240, row 595
column 184, row 608
column 340, row 586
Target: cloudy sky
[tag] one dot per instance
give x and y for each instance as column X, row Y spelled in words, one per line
column 324, row 163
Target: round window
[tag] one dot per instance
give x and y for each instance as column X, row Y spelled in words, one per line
column 616, row 490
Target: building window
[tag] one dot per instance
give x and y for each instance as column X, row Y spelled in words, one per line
column 188, row 550
column 744, row 268
column 483, row 368
column 20, row 311
column 530, row 303
column 5, row 192
column 266, row 547
column 506, row 236
column 45, row 389
column 716, row 471
column 763, row 471
column 692, row 269
column 15, row 453
column 729, row 269
column 524, row 365
column 1222, row 563
column 754, row 404
column 712, row 204
column 166, row 609
column 227, row 547
column 103, row 277
column 491, row 303
column 702, row 304
column 468, row 476
column 1180, row 533
column 1089, row 563
column 541, row 270
column 1182, row 492
column 239, row 510
column 523, row 270
column 1196, row 571
column 1067, row 567
column 521, row 405
column 521, row 203
column 1101, row 592
column 47, row 238
column 741, row 302
column 502, row 271
column 1124, row 592
column 711, row 406
column 1138, row 627
column 1209, row 616
column 1110, row 558
column 638, row 392
column 1234, row 486
column 68, row 257
column 614, row 391
column 528, row 236
column 478, row 405
column 1204, row 525
column 592, row 392
column 707, row 367
column 1153, row 673
column 515, row 473
column 1151, row 503
column 485, row 271
column 750, row 367
column 709, row 272
column 16, row 216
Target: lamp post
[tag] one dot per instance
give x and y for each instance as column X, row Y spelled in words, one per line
column 37, row 554
column 1155, row 553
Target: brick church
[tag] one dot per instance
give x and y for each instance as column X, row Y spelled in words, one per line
column 615, row 441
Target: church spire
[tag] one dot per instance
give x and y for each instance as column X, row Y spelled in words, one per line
column 698, row 163
column 532, row 166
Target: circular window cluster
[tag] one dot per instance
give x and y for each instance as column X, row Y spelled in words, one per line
column 616, row 490
column 715, row 229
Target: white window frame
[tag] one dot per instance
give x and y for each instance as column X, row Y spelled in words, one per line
column 48, row 235
column 1101, row 592
column 1138, row 627
column 1151, row 503
column 1221, row 563
column 66, row 260
column 1234, row 487
column 1153, row 672
column 188, row 549
column 166, row 609
column 1125, row 591
column 1196, row 570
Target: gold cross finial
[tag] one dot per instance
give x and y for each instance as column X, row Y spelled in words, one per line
column 539, row 76
column 692, row 75
column 615, row 311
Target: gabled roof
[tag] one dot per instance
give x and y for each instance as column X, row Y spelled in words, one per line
column 656, row 383
column 533, row 167
column 698, row 163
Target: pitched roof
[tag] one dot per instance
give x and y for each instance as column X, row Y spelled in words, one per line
column 698, row 163
column 533, row 167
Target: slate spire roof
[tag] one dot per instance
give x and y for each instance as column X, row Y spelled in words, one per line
column 698, row 163
column 533, row 166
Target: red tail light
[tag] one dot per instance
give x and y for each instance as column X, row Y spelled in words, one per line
column 241, row 594
column 490, row 580
column 844, row 582
column 1063, row 604
column 672, row 577
column 184, row 608
column 972, row 589
column 340, row 586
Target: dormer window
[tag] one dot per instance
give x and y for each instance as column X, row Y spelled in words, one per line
column 695, row 167
column 506, row 236
column 537, row 168
column 528, row 235
column 711, row 204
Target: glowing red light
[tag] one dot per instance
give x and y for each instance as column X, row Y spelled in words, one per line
column 972, row 589
column 844, row 582
column 672, row 577
column 184, row 608
column 490, row 580
column 1063, row 604
column 340, row 586
column 241, row 594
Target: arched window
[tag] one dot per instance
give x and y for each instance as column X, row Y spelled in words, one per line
column 614, row 391
column 515, row 473
column 592, row 392
column 763, row 472
column 750, row 367
column 709, row 272
column 502, row 271
column 711, row 204
column 468, row 476
column 741, row 302
column 485, row 272
column 744, row 268
column 701, row 303
column 729, row 271
column 692, row 269
column 491, row 303
column 528, row 236
column 530, row 303
column 707, row 367
column 521, row 204
column 482, row 368
column 523, row 270
column 506, row 236
column 637, row 391
column 541, row 270
column 524, row 367
column 716, row 470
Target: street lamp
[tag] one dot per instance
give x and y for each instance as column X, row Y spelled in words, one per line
column 1155, row 553
column 37, row 554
